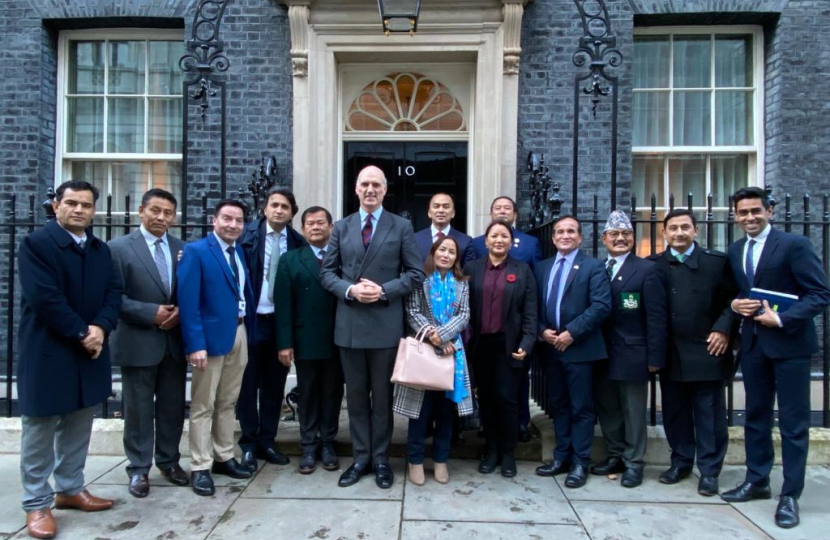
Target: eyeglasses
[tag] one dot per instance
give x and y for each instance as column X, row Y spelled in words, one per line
column 617, row 234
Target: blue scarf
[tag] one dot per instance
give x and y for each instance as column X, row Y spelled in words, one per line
column 442, row 302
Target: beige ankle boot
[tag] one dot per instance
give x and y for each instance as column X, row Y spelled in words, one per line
column 416, row 474
column 442, row 476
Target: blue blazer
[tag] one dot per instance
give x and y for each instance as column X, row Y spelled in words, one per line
column 586, row 303
column 525, row 248
column 424, row 240
column 789, row 265
column 208, row 298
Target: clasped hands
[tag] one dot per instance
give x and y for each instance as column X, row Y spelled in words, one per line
column 558, row 340
column 749, row 308
column 366, row 291
column 94, row 341
column 167, row 316
column 435, row 339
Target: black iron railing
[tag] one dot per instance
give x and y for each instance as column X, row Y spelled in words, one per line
column 717, row 230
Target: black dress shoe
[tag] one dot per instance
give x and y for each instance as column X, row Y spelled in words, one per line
column 272, row 455
column 577, row 476
column 524, row 434
column 508, row 465
column 708, row 486
column 353, row 474
column 612, row 465
column 384, row 477
column 553, row 468
column 230, row 468
column 746, row 492
column 488, row 463
column 675, row 474
column 249, row 461
column 329, row 458
column 139, row 485
column 202, row 483
column 786, row 515
column 175, row 475
column 308, row 463
column 632, row 477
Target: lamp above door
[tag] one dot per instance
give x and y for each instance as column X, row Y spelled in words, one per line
column 399, row 16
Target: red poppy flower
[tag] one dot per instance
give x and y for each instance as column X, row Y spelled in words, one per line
column 511, row 278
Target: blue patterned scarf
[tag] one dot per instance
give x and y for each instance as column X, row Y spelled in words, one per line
column 442, row 302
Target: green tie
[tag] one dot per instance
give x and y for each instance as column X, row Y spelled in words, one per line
column 272, row 266
column 680, row 257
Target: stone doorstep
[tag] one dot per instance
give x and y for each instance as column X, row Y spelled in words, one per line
column 107, row 440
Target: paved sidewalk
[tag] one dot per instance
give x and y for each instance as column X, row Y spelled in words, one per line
column 281, row 504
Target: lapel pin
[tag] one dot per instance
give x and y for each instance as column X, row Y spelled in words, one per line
column 619, row 278
column 576, row 267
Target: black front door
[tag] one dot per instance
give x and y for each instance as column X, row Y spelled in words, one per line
column 415, row 171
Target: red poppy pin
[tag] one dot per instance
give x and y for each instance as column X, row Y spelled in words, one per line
column 511, row 278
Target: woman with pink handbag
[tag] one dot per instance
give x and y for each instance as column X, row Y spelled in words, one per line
column 440, row 309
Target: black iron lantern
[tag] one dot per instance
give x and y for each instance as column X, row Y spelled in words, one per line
column 399, row 16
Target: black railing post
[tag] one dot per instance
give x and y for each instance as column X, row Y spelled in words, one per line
column 127, row 214
column 788, row 214
column 710, row 222
column 595, row 219
column 205, row 216
column 730, row 386
column 10, row 309
column 108, row 220
column 653, row 225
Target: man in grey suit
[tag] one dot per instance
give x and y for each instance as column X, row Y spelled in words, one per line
column 372, row 263
column 148, row 344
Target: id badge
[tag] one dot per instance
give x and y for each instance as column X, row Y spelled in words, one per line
column 242, row 306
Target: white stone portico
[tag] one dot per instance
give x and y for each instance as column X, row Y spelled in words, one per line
column 471, row 46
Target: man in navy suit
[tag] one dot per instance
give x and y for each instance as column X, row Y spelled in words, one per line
column 526, row 249
column 635, row 336
column 215, row 301
column 441, row 211
column 775, row 349
column 574, row 299
column 263, row 385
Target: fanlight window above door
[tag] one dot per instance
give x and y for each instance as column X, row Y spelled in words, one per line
column 405, row 102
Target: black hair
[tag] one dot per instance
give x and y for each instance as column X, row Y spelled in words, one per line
column 568, row 216
column 285, row 192
column 314, row 210
column 680, row 212
column 498, row 222
column 76, row 185
column 161, row 194
column 751, row 193
column 230, row 202
column 492, row 204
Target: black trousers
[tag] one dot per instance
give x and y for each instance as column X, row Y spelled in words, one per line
column 369, row 400
column 438, row 408
column 694, row 417
column 524, row 393
column 153, row 408
column 320, row 384
column 571, row 396
column 263, row 385
column 498, row 391
column 790, row 379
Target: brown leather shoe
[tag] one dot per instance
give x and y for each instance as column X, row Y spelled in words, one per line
column 41, row 524
column 82, row 501
column 175, row 475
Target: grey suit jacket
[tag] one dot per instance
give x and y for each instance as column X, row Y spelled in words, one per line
column 392, row 261
column 138, row 342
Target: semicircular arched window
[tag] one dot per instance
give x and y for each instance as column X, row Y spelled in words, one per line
column 405, row 102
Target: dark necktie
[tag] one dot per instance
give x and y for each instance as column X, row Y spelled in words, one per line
column 440, row 235
column 609, row 268
column 553, row 296
column 320, row 257
column 161, row 265
column 749, row 263
column 366, row 233
column 234, row 268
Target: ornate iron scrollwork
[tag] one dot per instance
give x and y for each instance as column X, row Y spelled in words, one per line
column 205, row 52
column 597, row 47
column 262, row 180
column 544, row 207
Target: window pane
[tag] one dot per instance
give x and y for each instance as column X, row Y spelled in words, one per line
column 692, row 61
column 165, row 75
column 729, row 173
column 94, row 172
column 692, row 118
column 165, row 126
column 733, row 61
column 687, row 174
column 651, row 62
column 733, row 121
column 647, row 180
column 86, row 67
column 126, row 67
column 651, row 119
column 132, row 178
column 125, row 130
column 84, row 124
column 168, row 175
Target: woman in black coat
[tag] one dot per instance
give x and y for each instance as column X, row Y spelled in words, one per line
column 503, row 322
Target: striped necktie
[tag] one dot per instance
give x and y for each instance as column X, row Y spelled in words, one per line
column 161, row 266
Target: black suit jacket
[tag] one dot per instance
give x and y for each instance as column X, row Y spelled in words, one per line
column 465, row 246
column 789, row 265
column 700, row 291
column 635, row 333
column 586, row 302
column 519, row 306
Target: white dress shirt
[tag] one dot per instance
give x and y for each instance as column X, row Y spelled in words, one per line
column 620, row 260
column 445, row 230
column 224, row 246
column 265, row 306
column 150, row 238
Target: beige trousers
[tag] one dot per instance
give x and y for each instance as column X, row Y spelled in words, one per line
column 213, row 396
